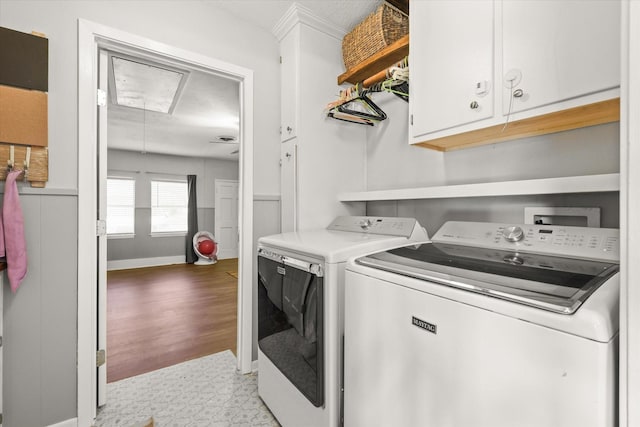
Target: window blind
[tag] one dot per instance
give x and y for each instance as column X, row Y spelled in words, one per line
column 121, row 199
column 169, row 206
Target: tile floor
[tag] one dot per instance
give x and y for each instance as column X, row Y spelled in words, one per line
column 205, row 392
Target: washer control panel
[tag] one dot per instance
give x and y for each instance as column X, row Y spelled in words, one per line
column 574, row 242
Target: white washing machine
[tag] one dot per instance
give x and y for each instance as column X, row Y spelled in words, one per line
column 301, row 309
column 488, row 325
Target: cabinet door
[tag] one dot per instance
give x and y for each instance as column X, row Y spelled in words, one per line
column 288, row 186
column 563, row 49
column 288, row 85
column 452, row 63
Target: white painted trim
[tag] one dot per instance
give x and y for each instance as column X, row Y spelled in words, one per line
column 31, row 191
column 266, row 197
column 87, row 201
column 245, row 267
column 298, row 13
column 124, row 264
column 72, row 422
column 629, row 365
column 91, row 36
column 254, row 367
column 168, row 234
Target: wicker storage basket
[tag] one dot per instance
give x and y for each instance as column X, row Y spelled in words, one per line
column 377, row 31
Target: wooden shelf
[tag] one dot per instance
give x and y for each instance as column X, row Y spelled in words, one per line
column 569, row 184
column 578, row 117
column 388, row 56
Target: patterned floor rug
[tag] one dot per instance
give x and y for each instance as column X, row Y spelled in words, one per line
column 205, row 392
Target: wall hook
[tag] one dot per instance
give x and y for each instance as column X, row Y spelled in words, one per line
column 11, row 161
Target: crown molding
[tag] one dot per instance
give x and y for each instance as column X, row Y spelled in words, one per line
column 297, row 14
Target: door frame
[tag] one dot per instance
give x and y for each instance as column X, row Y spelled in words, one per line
column 629, row 387
column 91, row 37
column 215, row 198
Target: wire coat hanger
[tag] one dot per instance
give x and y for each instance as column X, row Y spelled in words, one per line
column 355, row 106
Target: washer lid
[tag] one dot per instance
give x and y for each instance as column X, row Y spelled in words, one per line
column 548, row 282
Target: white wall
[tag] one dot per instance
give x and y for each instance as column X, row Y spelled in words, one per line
column 192, row 25
column 587, row 151
column 163, row 166
column 41, row 389
column 392, row 163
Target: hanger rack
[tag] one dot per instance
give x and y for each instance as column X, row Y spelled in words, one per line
column 33, row 161
column 387, row 73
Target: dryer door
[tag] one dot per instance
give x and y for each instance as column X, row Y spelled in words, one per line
column 290, row 321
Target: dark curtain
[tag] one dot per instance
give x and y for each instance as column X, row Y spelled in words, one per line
column 192, row 219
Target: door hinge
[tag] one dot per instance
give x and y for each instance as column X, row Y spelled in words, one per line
column 411, row 119
column 0, row 346
column 102, row 97
column 281, row 59
column 101, row 357
column 101, row 227
column 0, row 419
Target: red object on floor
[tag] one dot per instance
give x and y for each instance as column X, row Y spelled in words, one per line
column 206, row 247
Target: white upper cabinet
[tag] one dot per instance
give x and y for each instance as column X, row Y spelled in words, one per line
column 477, row 64
column 289, row 85
column 451, row 60
column 563, row 50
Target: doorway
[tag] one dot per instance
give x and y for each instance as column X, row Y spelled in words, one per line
column 91, row 38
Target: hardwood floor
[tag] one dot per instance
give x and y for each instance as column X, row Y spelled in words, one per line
column 160, row 316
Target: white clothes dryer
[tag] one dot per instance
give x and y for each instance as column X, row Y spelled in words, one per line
column 301, row 311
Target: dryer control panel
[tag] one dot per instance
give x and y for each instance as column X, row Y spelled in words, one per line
column 573, row 242
column 387, row 226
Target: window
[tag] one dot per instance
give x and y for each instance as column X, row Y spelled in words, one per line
column 121, row 199
column 169, row 206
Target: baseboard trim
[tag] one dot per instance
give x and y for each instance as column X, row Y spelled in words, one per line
column 72, row 422
column 124, row 264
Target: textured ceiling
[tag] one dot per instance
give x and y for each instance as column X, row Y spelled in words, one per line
column 208, row 107
column 189, row 130
column 346, row 14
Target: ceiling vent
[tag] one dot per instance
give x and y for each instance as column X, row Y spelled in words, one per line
column 227, row 139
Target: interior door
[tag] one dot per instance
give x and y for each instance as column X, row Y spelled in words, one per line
column 226, row 218
column 101, row 230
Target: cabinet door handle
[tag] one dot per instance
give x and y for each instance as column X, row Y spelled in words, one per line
column 518, row 93
column 474, row 105
column 289, row 129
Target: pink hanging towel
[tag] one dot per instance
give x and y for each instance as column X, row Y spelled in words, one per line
column 14, row 241
column 2, row 253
